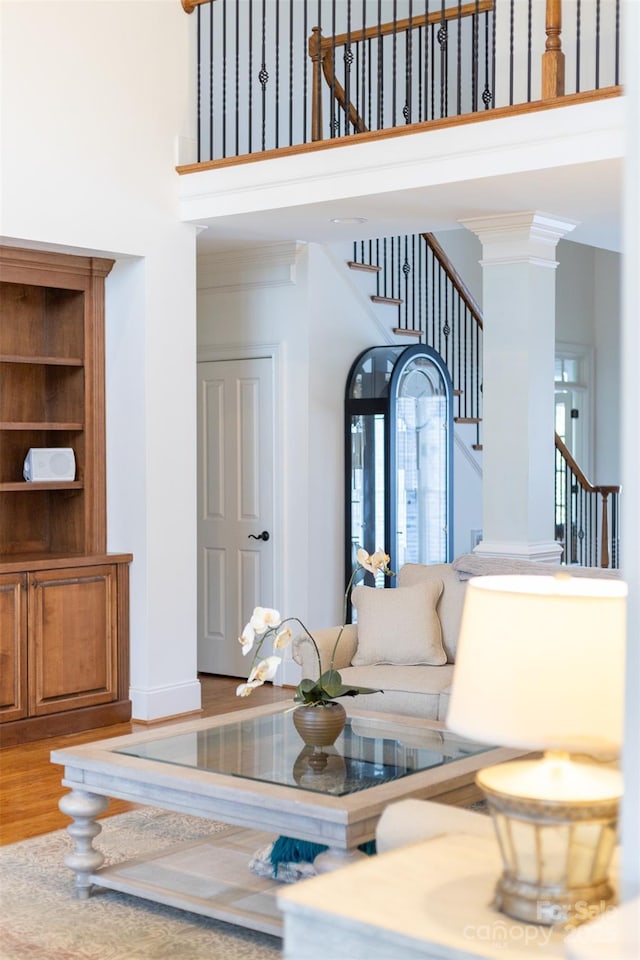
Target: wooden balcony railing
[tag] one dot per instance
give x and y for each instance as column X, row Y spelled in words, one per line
column 280, row 73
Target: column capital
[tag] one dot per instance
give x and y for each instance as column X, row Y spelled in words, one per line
column 524, row 237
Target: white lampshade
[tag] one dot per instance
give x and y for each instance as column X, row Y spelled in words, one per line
column 540, row 663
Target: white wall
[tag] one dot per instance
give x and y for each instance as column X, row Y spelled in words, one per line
column 588, row 312
column 607, row 309
column 94, row 97
column 630, row 352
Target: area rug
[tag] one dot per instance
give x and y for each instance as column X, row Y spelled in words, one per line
column 41, row 920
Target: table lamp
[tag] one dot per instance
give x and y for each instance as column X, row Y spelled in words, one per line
column 540, row 665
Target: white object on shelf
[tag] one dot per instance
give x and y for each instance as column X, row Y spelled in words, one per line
column 49, row 463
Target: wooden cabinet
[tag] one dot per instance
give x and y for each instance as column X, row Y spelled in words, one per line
column 63, row 600
column 13, row 646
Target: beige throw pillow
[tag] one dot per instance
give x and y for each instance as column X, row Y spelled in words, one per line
column 399, row 625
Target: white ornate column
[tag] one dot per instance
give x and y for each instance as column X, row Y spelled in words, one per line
column 519, row 296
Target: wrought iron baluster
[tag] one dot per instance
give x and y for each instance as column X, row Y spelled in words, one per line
column 277, row 80
column 348, row 61
column 409, row 67
column 305, row 73
column 291, row 72
column 263, row 76
column 380, row 69
column 199, row 81
column 459, row 64
column 617, row 51
column 474, row 61
column 529, row 43
column 250, row 97
column 493, row 52
column 426, row 61
column 597, row 44
column 333, row 119
column 394, row 67
column 433, row 72
column 369, row 83
column 406, row 270
column 237, row 117
column 224, row 74
column 442, row 41
column 487, row 96
column 224, row 77
column 511, row 49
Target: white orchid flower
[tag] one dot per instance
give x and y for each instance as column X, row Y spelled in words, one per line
column 263, row 671
column 244, row 689
column 380, row 561
column 282, row 639
column 247, row 640
column 264, row 618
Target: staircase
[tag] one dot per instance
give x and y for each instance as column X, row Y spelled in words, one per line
column 429, row 301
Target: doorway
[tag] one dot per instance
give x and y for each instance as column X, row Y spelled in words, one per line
column 236, row 569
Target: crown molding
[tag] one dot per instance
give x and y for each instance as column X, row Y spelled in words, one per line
column 243, row 268
column 527, row 236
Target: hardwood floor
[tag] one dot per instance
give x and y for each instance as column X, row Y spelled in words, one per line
column 30, row 784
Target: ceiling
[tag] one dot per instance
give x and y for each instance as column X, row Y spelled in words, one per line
column 586, row 194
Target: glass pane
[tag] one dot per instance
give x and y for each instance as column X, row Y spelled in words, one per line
column 421, row 458
column 367, row 482
column 370, row 379
column 269, row 749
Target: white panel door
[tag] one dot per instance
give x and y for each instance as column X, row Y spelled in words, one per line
column 235, row 506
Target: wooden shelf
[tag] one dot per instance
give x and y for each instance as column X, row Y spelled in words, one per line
column 64, row 603
column 40, row 425
column 42, row 361
column 30, row 486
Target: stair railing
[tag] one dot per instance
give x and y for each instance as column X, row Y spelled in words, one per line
column 402, row 71
column 431, row 303
column 275, row 74
column 587, row 515
column 416, row 279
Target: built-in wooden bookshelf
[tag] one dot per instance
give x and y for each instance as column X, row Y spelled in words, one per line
column 63, row 599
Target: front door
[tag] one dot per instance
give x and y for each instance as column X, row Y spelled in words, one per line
column 235, row 506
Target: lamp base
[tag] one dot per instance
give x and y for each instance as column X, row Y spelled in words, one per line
column 555, row 852
column 534, row 903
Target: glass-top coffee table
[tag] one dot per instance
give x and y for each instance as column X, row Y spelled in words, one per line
column 251, row 770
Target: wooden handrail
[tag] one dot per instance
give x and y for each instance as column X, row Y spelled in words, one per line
column 455, row 278
column 189, row 5
column 580, row 476
column 322, row 54
column 403, row 26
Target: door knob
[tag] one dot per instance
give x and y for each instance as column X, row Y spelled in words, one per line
column 259, row 536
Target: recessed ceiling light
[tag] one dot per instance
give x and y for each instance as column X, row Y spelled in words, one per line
column 348, row 220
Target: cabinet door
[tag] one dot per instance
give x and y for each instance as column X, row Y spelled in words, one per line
column 72, row 638
column 13, row 646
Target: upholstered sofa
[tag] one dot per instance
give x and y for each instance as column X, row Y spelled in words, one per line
column 404, row 643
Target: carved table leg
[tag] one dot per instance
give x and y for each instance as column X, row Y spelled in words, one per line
column 333, row 859
column 83, row 808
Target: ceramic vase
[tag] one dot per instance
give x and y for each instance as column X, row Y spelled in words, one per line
column 320, row 724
